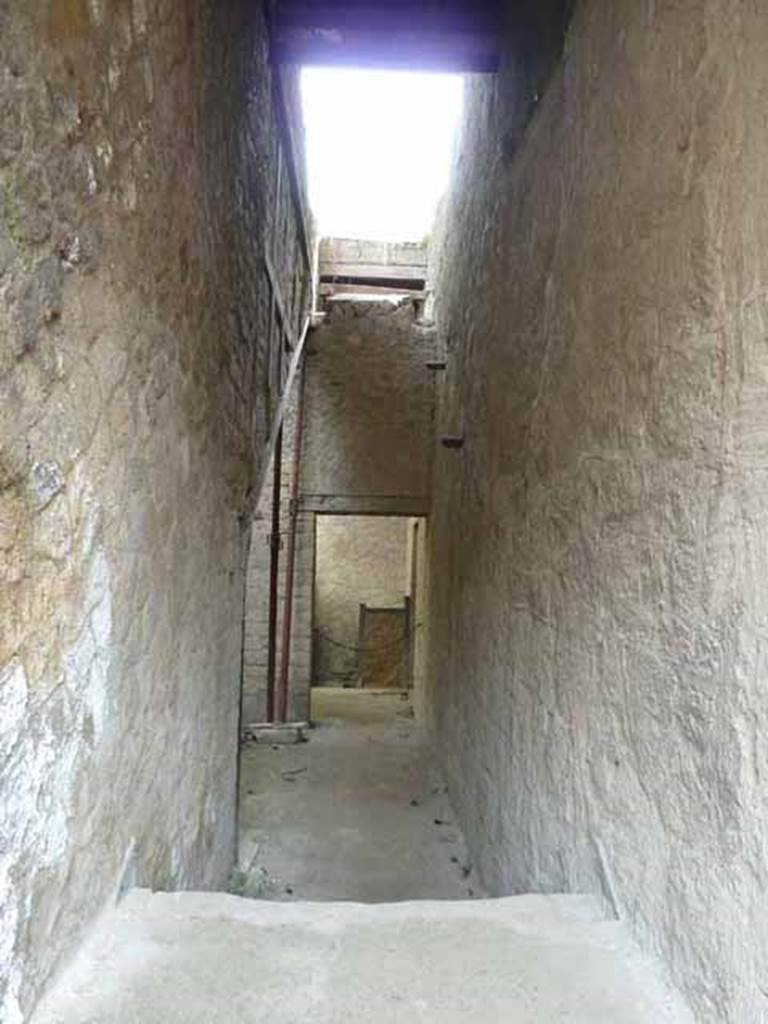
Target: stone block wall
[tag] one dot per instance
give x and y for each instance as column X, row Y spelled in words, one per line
column 599, row 547
column 136, row 180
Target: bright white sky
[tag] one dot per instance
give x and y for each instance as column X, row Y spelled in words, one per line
column 379, row 148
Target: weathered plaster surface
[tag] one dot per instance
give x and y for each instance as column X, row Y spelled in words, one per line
column 133, row 188
column 599, row 547
column 360, row 560
column 369, row 403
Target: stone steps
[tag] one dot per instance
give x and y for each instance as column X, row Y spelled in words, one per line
column 211, row 958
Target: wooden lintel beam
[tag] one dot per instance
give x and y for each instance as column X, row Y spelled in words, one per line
column 407, row 51
column 366, row 504
column 378, row 271
column 329, row 288
column 452, row 35
column 390, row 15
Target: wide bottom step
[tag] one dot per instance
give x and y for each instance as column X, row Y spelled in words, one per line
column 205, row 958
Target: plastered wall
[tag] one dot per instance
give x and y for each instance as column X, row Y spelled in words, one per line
column 599, row 546
column 135, row 177
column 359, row 560
column 369, row 402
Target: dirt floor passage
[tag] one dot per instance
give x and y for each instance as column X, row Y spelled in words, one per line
column 356, row 813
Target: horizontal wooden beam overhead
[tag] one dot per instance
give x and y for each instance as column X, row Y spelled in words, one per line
column 443, row 34
column 365, row 504
column 327, row 289
column 372, row 272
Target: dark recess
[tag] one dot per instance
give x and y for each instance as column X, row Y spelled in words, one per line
column 535, row 32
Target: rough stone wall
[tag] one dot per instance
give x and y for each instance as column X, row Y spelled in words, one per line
column 359, row 560
column 369, row 403
column 599, row 547
column 135, row 169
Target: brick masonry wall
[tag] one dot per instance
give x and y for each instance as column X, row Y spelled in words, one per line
column 599, row 565
column 136, row 177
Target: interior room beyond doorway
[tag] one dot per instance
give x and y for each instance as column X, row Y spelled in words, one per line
column 367, row 601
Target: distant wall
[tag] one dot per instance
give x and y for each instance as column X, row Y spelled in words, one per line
column 369, row 404
column 368, row 407
column 360, row 560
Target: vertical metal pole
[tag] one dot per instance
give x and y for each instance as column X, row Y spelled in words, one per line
column 290, row 558
column 276, row 357
column 413, row 605
column 274, row 573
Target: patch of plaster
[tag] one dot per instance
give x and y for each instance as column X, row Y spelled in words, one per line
column 41, row 757
column 45, row 482
column 13, row 687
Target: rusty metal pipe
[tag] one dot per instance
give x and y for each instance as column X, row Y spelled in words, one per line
column 274, row 572
column 290, row 557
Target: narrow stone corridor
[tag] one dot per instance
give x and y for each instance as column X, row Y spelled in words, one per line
column 548, row 386
column 357, row 813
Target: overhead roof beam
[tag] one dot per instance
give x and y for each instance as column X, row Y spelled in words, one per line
column 445, row 35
